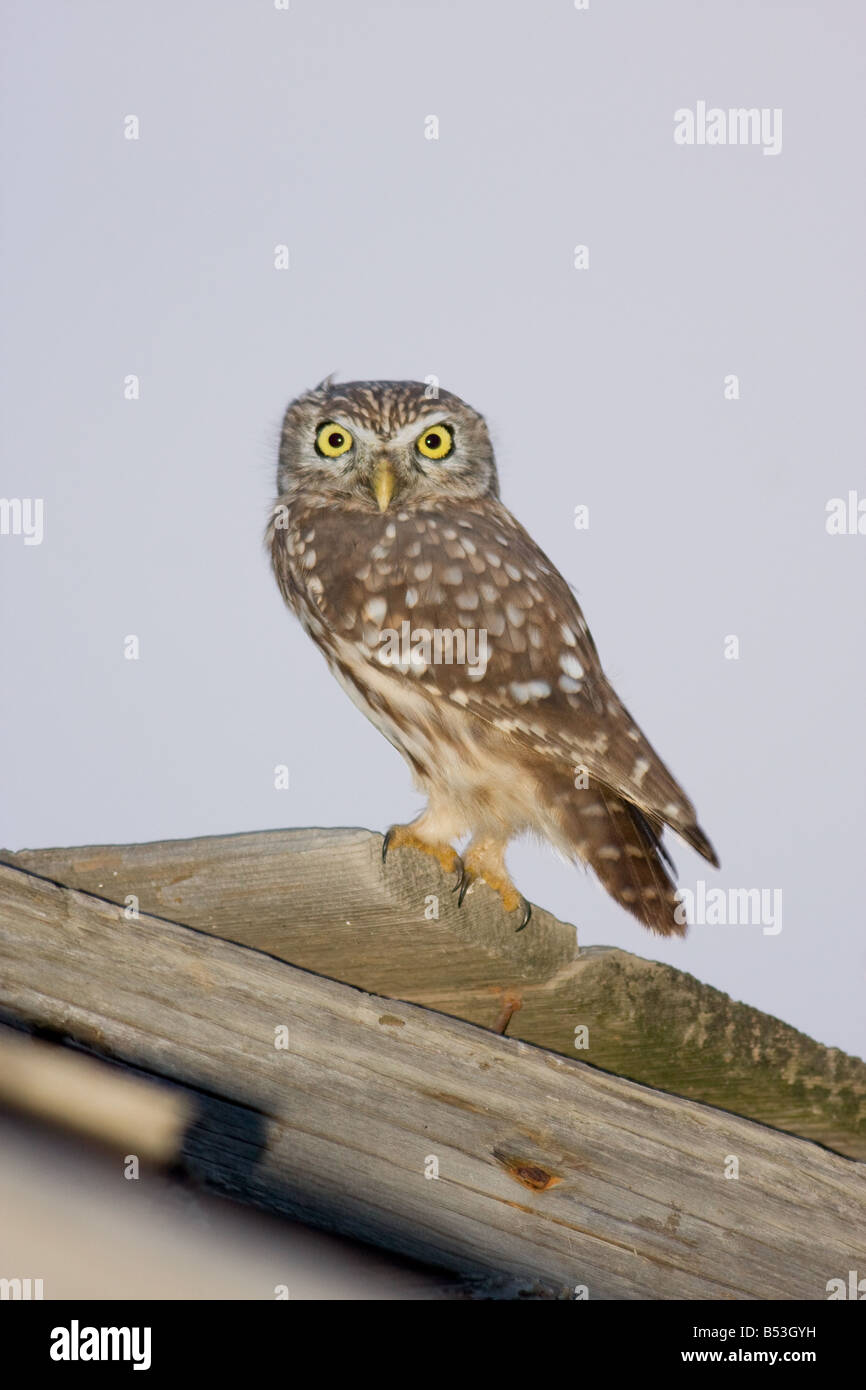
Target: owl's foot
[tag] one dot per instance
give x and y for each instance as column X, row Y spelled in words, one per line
column 405, row 837
column 485, row 860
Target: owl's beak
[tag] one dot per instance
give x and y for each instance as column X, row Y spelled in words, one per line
column 384, row 483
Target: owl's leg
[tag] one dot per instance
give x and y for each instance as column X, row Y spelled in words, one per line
column 485, row 858
column 430, row 834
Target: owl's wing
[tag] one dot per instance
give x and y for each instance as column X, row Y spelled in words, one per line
column 472, row 567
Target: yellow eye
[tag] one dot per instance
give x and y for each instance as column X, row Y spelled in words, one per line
column 435, row 443
column 333, row 440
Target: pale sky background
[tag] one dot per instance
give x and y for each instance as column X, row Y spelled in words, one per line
column 455, row 257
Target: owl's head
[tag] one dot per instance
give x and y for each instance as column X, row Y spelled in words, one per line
column 384, row 444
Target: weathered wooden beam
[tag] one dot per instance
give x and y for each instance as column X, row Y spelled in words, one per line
column 73, row 1226
column 551, row 1174
column 323, row 900
column 84, row 1095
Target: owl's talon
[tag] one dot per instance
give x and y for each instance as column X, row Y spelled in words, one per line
column 527, row 915
column 465, row 883
column 405, row 837
column 485, row 860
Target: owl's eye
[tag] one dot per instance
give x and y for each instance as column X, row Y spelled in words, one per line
column 436, row 443
column 333, row 440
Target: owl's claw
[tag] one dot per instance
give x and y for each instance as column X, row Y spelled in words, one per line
column 486, row 867
column 511, row 899
column 404, row 837
column 527, row 915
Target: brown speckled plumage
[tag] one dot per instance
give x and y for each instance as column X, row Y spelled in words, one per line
column 533, row 739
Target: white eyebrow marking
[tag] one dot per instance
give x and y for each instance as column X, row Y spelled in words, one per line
column 417, row 427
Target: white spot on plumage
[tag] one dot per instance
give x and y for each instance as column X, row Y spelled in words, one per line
column 524, row 691
column 411, row 598
column 571, row 666
column 375, row 609
column 452, row 574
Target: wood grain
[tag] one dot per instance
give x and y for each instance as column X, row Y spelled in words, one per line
column 552, row 1175
column 323, row 900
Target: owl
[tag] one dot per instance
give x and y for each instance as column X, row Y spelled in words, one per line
column 459, row 639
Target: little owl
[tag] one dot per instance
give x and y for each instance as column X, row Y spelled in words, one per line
column 463, row 644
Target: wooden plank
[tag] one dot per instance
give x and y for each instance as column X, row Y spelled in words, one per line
column 551, row 1175
column 323, row 900
column 95, row 1100
column 68, row 1221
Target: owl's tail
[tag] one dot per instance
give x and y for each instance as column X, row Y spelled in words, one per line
column 623, row 848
